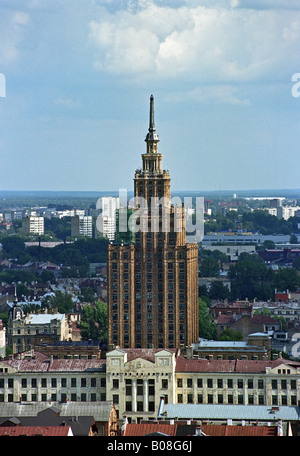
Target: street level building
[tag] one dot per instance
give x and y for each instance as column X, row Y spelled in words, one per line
column 134, row 380
column 22, row 330
column 153, row 282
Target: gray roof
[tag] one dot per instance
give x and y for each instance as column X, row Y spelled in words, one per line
column 224, row 412
column 43, row 319
column 99, row 410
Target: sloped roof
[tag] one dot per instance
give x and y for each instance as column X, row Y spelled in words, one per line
column 146, row 353
column 29, row 431
column 149, row 428
column 43, row 319
column 99, row 410
column 217, row 430
column 233, row 365
column 41, row 363
column 234, row 412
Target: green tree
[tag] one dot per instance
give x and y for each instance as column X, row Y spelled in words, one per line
column 209, row 268
column 87, row 295
column 218, row 291
column 230, row 334
column 207, row 328
column 62, row 301
column 250, row 278
column 287, row 279
column 296, row 264
column 93, row 323
column 293, row 239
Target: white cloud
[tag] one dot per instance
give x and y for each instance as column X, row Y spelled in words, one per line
column 197, row 43
column 220, row 93
column 67, row 103
column 12, row 27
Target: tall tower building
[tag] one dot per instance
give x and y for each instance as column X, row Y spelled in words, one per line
column 153, row 281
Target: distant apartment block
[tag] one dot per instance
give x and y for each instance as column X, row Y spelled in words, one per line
column 33, row 225
column 82, row 225
column 284, row 212
column 106, row 222
column 69, row 213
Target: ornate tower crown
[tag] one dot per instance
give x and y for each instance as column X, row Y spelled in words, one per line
column 152, row 136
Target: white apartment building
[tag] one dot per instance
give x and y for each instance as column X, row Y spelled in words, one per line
column 82, row 225
column 106, row 221
column 284, row 212
column 33, row 225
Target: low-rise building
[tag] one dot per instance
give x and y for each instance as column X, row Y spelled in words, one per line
column 232, row 252
column 134, row 380
column 257, row 346
column 22, row 330
column 285, row 419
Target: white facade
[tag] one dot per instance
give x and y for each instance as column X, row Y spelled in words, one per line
column 82, row 225
column 33, row 225
column 106, row 222
column 231, row 251
column 284, row 212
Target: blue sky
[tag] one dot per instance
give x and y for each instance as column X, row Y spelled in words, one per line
column 79, row 75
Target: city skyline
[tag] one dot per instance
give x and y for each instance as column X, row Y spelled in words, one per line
column 78, row 77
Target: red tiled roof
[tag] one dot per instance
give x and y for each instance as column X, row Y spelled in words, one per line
column 46, row 431
column 224, row 365
column 149, row 428
column 225, row 319
column 41, row 363
column 79, row 365
column 145, row 353
column 215, row 430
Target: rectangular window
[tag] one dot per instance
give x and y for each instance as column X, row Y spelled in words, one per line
column 164, row 384
column 115, row 398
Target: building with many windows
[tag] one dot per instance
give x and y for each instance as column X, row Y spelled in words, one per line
column 135, row 380
column 153, row 282
column 23, row 331
column 33, row 225
column 82, row 225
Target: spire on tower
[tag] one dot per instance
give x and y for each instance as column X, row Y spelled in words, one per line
column 152, row 135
